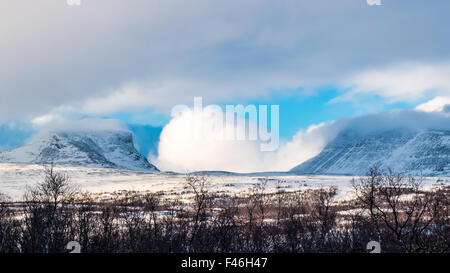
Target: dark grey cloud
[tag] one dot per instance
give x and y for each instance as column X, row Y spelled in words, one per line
column 52, row 54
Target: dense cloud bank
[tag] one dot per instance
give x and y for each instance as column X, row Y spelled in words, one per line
column 179, row 151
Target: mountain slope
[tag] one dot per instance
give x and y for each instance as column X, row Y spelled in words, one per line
column 415, row 153
column 106, row 149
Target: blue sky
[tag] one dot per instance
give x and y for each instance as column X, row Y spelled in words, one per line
column 298, row 109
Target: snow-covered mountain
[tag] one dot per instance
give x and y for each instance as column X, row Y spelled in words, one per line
column 105, row 149
column 425, row 152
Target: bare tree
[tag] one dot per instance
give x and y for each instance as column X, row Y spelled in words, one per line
column 323, row 212
column 399, row 209
column 198, row 184
column 55, row 189
column 47, row 212
column 4, row 225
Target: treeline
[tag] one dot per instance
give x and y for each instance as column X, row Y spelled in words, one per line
column 389, row 208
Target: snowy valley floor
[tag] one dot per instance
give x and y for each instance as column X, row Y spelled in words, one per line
column 15, row 178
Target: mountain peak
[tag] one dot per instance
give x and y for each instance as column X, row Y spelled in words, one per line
column 425, row 152
column 105, row 149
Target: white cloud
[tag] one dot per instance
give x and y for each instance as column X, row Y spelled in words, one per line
column 402, row 82
column 438, row 104
column 304, row 145
column 83, row 125
column 164, row 94
column 183, row 149
column 42, row 120
column 178, row 151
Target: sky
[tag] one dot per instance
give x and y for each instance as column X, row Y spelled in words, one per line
column 134, row 60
